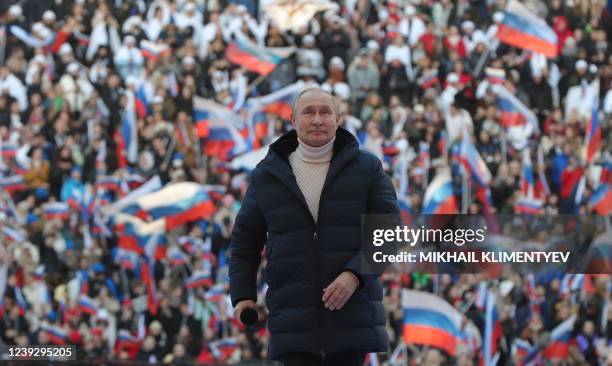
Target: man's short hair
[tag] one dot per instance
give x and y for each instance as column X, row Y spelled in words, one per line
column 313, row 88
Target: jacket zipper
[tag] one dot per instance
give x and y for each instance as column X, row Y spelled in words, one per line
column 315, row 237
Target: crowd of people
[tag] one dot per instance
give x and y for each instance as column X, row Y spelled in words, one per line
column 413, row 78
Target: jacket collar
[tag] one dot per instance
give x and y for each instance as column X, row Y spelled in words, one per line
column 276, row 161
column 287, row 144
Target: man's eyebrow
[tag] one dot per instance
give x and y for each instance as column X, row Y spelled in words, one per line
column 321, row 106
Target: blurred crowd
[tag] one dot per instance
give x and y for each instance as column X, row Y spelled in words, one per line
column 411, row 77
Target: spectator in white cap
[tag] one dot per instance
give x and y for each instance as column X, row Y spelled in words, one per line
column 458, row 121
column 48, row 18
column 580, row 95
column 472, row 36
column 132, row 25
column 310, row 59
column 129, row 60
column 15, row 12
column 36, row 66
column 188, row 67
column 105, row 32
column 65, row 49
column 448, row 95
column 77, row 90
column 11, row 84
column 154, row 24
column 491, row 34
column 189, row 17
column 335, row 83
column 411, row 26
column 399, row 50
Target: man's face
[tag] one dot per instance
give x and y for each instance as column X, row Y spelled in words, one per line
column 316, row 120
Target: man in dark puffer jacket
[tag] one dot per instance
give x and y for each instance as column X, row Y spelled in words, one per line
column 305, row 201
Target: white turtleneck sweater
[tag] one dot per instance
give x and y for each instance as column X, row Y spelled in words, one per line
column 310, row 165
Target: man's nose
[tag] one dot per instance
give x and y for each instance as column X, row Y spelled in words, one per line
column 317, row 120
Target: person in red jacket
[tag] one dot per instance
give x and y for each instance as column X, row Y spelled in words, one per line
column 454, row 42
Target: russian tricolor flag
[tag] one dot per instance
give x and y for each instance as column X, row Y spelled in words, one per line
column 527, row 180
column 493, row 330
column 56, row 210
column 56, row 334
column 146, row 274
column 87, row 305
column 134, row 234
column 129, row 130
column 259, row 127
column 560, row 337
column 593, row 135
column 141, row 102
column 13, row 183
column 189, row 243
column 176, row 204
column 8, row 150
column 199, row 279
column 126, row 259
column 473, row 163
column 523, row 29
column 524, row 352
column 430, row 321
column 569, row 180
column 152, row 50
column 223, row 348
column 513, row 112
column 125, row 338
column 262, row 60
column 601, row 200
column 429, row 80
column 177, row 257
column 495, row 76
column 439, row 197
column 22, row 304
column 215, row 293
column 14, row 236
column 511, row 115
column 526, row 205
column 220, row 127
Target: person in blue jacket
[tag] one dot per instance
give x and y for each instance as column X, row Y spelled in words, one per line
column 304, row 201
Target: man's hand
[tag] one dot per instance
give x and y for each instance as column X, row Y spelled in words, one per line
column 338, row 292
column 243, row 305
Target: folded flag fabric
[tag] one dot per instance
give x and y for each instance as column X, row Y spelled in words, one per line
column 439, row 197
column 430, row 321
column 255, row 58
column 223, row 130
column 175, row 204
column 523, row 29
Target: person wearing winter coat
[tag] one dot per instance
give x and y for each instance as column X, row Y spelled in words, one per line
column 304, row 201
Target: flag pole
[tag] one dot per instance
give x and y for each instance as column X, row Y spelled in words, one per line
column 255, row 83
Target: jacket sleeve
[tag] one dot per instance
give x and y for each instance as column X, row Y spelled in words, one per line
column 247, row 240
column 381, row 200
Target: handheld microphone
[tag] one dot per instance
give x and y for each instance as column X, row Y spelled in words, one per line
column 248, row 316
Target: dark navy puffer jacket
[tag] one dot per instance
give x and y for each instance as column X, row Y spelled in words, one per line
column 304, row 257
